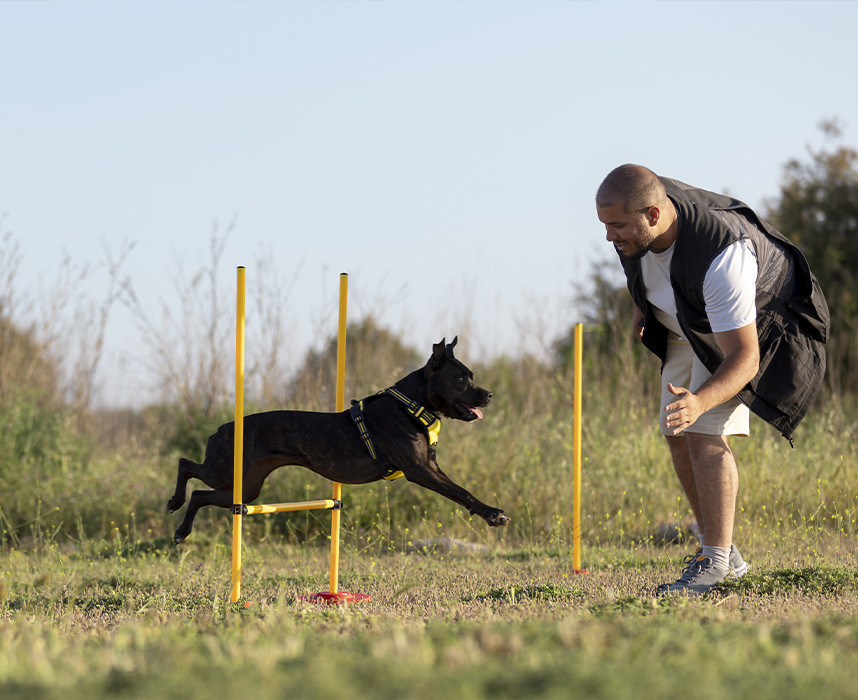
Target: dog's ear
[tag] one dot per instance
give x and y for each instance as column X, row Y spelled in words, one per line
column 450, row 347
column 438, row 353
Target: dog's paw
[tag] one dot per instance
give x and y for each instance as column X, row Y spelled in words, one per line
column 174, row 504
column 497, row 519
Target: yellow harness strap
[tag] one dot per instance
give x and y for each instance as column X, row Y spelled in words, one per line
column 434, row 431
column 421, row 414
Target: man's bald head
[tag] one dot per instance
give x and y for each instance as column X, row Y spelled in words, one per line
column 633, row 187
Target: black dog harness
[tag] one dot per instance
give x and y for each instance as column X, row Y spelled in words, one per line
column 426, row 418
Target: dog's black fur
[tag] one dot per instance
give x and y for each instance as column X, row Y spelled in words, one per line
column 330, row 445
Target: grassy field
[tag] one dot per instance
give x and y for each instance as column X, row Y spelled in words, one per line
column 142, row 620
column 95, row 601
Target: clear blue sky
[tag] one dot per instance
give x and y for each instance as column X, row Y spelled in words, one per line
column 445, row 154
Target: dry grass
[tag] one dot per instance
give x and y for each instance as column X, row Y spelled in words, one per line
column 508, row 623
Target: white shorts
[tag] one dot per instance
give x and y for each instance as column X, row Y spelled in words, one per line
column 683, row 368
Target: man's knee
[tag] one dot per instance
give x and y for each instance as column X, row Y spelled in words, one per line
column 701, row 441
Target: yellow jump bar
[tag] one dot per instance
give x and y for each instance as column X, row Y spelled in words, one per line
column 325, row 504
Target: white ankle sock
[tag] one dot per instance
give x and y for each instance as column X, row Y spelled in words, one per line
column 720, row 556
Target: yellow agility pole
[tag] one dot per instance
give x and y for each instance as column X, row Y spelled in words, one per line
column 334, row 595
column 239, row 509
column 576, row 442
column 238, row 446
column 340, row 406
column 289, row 507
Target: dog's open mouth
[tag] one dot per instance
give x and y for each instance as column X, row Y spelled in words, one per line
column 467, row 413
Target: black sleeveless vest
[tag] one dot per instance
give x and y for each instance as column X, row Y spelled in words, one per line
column 792, row 318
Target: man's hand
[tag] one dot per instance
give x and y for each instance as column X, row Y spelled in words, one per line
column 741, row 362
column 684, row 411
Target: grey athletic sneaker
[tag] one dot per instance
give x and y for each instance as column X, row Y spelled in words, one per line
column 738, row 567
column 688, row 561
column 697, row 579
column 700, row 576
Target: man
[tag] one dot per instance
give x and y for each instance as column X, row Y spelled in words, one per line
column 739, row 322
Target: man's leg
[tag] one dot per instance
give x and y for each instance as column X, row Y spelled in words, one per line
column 707, row 471
column 716, row 482
column 682, row 466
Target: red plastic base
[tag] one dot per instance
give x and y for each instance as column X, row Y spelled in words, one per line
column 579, row 571
column 336, row 598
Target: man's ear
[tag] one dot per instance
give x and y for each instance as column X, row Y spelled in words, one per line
column 653, row 214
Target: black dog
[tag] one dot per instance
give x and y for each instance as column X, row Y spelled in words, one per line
column 384, row 436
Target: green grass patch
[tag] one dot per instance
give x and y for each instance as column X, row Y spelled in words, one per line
column 811, row 580
column 536, row 591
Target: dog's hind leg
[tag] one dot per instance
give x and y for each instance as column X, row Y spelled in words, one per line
column 222, row 499
column 187, row 470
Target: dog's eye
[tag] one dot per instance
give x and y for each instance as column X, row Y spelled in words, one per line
column 461, row 380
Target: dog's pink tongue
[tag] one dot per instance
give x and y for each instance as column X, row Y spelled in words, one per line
column 477, row 412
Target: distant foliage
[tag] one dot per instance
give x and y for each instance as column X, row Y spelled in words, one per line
column 41, row 452
column 375, row 359
column 24, row 361
column 24, row 364
column 613, row 357
column 818, row 210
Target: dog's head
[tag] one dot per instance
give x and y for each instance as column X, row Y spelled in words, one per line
column 452, row 391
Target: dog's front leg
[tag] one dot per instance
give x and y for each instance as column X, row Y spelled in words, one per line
column 433, row 478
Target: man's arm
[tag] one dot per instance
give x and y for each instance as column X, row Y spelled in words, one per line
column 741, row 351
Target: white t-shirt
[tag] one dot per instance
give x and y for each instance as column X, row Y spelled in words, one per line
column 729, row 288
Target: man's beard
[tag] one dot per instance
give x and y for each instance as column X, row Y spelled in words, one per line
column 639, row 254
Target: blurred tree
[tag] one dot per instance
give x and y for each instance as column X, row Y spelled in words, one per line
column 613, row 357
column 605, row 306
column 35, row 431
column 818, row 210
column 375, row 359
column 25, row 367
